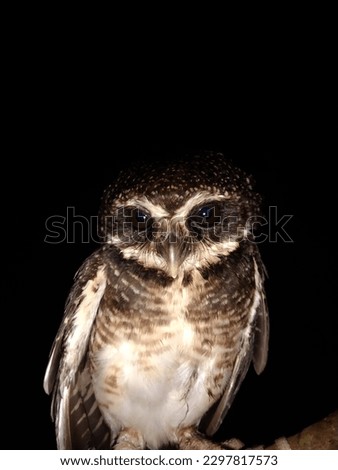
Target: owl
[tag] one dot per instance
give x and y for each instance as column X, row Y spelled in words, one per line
column 164, row 319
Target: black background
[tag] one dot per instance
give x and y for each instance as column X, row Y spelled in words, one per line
column 69, row 166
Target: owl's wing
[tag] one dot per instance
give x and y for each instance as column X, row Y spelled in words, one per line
column 254, row 348
column 78, row 421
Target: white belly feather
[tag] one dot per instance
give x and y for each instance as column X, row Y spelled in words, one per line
column 159, row 392
column 170, row 393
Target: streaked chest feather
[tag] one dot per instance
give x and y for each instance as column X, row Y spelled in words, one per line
column 160, row 362
column 157, row 339
column 157, row 384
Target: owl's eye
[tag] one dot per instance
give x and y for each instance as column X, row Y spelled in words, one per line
column 139, row 219
column 206, row 217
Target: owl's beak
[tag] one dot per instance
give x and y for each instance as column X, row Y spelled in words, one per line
column 173, row 250
column 173, row 253
column 173, row 263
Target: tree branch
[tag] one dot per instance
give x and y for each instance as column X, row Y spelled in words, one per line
column 322, row 435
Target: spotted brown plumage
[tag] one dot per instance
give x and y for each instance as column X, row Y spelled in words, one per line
column 164, row 319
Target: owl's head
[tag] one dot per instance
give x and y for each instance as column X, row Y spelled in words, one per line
column 179, row 216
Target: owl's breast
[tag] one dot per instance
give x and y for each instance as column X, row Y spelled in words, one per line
column 157, row 381
column 152, row 331
column 164, row 360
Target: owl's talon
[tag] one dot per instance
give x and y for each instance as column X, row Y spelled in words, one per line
column 191, row 439
column 233, row 444
column 129, row 439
